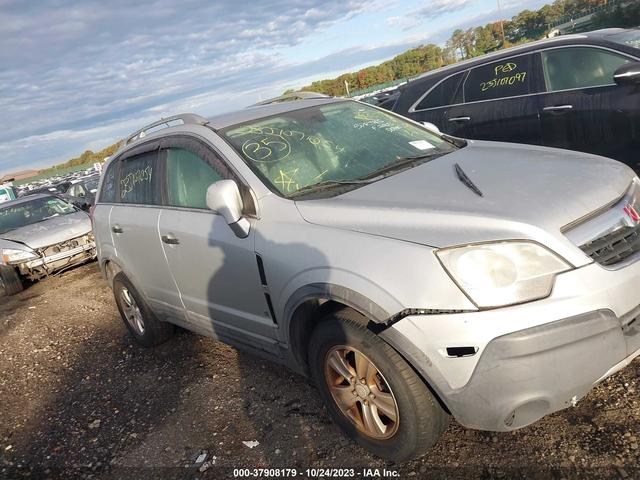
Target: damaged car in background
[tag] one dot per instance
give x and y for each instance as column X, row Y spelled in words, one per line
column 41, row 235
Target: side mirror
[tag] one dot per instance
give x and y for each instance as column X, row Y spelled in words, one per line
column 628, row 74
column 432, row 127
column 223, row 197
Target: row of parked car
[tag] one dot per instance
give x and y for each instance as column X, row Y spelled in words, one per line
column 413, row 275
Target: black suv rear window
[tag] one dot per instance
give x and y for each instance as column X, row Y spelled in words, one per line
column 447, row 92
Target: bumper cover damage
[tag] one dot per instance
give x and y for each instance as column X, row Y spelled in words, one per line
column 59, row 257
column 526, row 375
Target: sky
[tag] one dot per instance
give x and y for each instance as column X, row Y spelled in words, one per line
column 79, row 75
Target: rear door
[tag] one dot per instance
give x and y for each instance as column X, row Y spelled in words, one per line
column 134, row 231
column 216, row 271
column 500, row 102
column 584, row 109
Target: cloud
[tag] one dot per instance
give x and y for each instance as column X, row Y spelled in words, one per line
column 430, row 11
column 71, row 66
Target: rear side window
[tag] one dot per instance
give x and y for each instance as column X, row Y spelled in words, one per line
column 447, row 92
column 579, row 67
column 108, row 192
column 505, row 78
column 188, row 177
column 137, row 180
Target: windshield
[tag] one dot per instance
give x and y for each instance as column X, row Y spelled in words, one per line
column 27, row 213
column 630, row 38
column 338, row 142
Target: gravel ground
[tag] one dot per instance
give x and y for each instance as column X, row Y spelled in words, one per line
column 80, row 400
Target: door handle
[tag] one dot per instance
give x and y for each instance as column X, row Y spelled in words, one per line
column 169, row 239
column 117, row 229
column 557, row 108
column 460, row 119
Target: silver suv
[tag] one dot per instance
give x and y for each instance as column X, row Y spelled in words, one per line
column 412, row 275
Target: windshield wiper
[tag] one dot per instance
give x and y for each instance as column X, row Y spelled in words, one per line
column 399, row 163
column 327, row 184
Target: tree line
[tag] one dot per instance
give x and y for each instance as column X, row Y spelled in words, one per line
column 87, row 158
column 528, row 25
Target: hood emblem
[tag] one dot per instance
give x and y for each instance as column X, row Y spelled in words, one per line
column 631, row 213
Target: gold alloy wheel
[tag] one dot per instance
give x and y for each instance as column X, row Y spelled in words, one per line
column 361, row 392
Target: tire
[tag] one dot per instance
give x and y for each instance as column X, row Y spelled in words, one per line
column 419, row 418
column 11, row 280
column 137, row 316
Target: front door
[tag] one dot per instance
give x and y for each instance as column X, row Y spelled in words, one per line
column 584, row 109
column 216, row 272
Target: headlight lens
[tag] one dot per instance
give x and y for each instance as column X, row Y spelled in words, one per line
column 499, row 274
column 10, row 255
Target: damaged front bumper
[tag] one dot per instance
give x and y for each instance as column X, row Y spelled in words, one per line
column 526, row 361
column 59, row 257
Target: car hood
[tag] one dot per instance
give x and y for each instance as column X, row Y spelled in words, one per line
column 51, row 231
column 528, row 193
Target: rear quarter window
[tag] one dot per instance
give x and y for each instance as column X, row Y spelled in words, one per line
column 108, row 192
column 505, row 78
column 447, row 92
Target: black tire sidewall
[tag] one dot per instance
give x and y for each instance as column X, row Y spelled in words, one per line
column 408, row 442
column 10, row 280
column 155, row 331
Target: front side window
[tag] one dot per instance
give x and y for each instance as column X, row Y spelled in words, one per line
column 137, row 179
column 336, row 142
column 188, row 177
column 108, row 191
column 25, row 213
column 579, row 67
column 502, row 79
column 447, row 92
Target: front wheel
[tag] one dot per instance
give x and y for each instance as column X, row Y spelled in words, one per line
column 10, row 280
column 371, row 392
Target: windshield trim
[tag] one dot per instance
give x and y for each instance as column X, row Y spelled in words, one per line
column 222, row 133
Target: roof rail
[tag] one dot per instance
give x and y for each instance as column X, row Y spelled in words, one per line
column 180, row 119
column 287, row 97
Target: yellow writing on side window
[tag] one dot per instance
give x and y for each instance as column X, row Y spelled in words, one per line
column 500, row 82
column 506, row 68
column 128, row 183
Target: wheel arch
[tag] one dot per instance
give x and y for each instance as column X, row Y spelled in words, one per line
column 311, row 303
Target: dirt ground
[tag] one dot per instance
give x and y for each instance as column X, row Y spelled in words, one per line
column 80, row 400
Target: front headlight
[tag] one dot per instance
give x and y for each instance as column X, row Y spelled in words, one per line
column 504, row 273
column 10, row 255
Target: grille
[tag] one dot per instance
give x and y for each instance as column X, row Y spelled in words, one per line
column 614, row 247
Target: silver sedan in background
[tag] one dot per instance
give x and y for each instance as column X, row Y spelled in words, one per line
column 41, row 235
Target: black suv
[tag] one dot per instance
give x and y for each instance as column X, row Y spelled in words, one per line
column 580, row 92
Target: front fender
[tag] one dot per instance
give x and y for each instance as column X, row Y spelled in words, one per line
column 338, row 293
